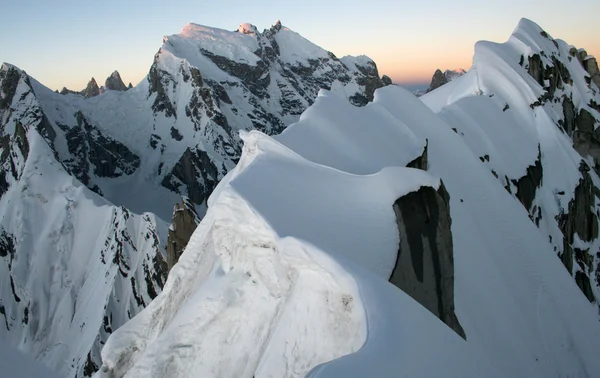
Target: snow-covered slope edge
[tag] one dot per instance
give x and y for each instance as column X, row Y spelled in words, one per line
column 528, row 108
column 73, row 267
column 521, row 312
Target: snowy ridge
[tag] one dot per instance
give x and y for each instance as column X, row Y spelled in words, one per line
column 285, row 196
column 534, row 91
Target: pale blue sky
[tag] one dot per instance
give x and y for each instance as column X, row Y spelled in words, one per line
column 66, row 42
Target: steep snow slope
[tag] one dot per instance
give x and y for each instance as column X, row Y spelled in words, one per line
column 529, row 110
column 521, row 312
column 73, row 267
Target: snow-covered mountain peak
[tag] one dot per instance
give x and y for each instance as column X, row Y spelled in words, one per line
column 231, row 45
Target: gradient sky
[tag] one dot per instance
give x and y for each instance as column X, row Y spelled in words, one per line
column 66, row 42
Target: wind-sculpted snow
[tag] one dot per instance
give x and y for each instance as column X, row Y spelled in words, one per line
column 513, row 298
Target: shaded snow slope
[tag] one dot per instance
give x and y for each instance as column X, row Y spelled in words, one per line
column 528, row 109
column 16, row 364
column 73, row 267
column 521, row 312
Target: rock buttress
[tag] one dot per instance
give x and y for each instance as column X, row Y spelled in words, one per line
column 425, row 265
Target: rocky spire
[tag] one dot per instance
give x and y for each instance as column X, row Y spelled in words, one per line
column 437, row 80
column 590, row 64
column 91, row 90
column 185, row 220
column 114, row 82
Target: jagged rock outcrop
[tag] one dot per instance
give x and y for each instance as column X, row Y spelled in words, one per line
column 91, row 90
column 386, row 80
column 425, row 265
column 420, row 162
column 528, row 184
column 185, row 221
column 92, row 154
column 65, row 91
column 582, row 221
column 115, row 83
column 589, row 63
column 196, row 172
column 437, row 80
column 440, row 78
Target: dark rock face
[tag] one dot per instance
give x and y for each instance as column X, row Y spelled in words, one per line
column 18, row 144
column 441, row 78
column 91, row 90
column 583, row 221
column 437, row 80
column 370, row 80
column 420, row 162
column 66, row 91
column 425, row 265
column 192, row 170
column 185, row 221
column 528, row 184
column 115, row 83
column 159, row 80
column 385, row 79
column 551, row 77
column 590, row 64
column 9, row 79
column 581, row 127
column 93, row 152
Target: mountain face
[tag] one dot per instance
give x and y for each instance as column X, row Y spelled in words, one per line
column 87, row 179
column 478, row 201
